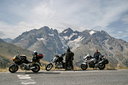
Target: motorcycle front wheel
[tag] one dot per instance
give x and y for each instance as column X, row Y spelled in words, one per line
column 84, row 66
column 101, row 66
column 36, row 68
column 13, row 68
column 49, row 67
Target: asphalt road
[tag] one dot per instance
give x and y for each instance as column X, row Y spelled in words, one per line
column 90, row 77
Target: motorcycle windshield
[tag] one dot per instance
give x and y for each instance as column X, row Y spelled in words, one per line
column 54, row 59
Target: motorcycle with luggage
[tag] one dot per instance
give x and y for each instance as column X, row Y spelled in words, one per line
column 21, row 61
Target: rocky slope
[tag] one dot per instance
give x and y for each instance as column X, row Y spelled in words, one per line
column 43, row 40
column 88, row 41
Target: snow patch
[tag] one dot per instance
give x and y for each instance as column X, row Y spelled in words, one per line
column 65, row 31
column 66, row 37
column 73, row 34
column 75, row 43
column 40, row 39
column 51, row 35
column 63, row 42
column 78, row 39
column 91, row 32
column 22, row 39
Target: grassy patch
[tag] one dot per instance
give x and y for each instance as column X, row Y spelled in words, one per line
column 3, row 69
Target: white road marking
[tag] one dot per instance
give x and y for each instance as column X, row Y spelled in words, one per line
column 26, row 79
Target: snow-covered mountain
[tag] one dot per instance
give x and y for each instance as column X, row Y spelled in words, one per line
column 50, row 42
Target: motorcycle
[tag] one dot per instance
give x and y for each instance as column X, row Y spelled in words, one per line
column 91, row 62
column 57, row 61
column 20, row 61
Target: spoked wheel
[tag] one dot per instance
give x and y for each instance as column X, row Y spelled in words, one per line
column 49, row 67
column 36, row 68
column 84, row 66
column 101, row 66
column 13, row 68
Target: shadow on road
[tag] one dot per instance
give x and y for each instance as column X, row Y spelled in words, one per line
column 37, row 73
column 49, row 73
column 60, row 71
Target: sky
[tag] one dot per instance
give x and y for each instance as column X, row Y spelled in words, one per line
column 18, row 16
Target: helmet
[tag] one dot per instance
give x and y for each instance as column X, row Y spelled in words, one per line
column 68, row 50
column 35, row 52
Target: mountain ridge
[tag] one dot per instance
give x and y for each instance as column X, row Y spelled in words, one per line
column 51, row 42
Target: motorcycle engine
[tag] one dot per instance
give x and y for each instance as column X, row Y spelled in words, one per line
column 92, row 63
column 25, row 66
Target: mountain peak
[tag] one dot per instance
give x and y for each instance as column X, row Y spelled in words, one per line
column 46, row 28
column 67, row 32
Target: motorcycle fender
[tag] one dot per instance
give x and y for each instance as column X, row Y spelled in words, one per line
column 32, row 67
column 100, row 62
column 84, row 63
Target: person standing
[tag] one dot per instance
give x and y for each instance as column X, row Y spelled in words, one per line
column 69, row 59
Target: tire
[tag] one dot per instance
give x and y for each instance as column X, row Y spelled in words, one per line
column 13, row 68
column 49, row 67
column 101, row 66
column 84, row 66
column 36, row 69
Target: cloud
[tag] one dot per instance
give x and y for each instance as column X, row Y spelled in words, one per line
column 125, row 19
column 120, row 34
column 60, row 14
column 11, row 31
column 2, row 34
column 88, row 13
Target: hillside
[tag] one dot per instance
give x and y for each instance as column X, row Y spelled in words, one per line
column 7, row 51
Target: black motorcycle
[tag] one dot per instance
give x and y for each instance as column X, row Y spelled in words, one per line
column 24, row 64
column 91, row 62
column 57, row 61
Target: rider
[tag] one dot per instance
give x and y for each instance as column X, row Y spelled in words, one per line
column 69, row 59
column 97, row 55
column 35, row 57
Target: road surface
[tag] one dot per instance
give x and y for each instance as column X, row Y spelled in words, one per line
column 90, row 77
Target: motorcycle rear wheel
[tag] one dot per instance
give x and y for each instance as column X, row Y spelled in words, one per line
column 49, row 67
column 13, row 68
column 36, row 69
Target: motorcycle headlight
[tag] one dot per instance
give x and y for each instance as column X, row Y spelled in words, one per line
column 14, row 58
